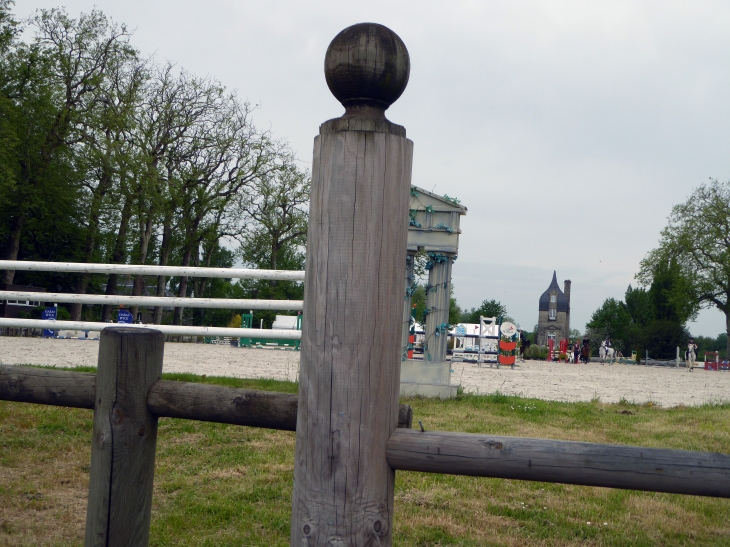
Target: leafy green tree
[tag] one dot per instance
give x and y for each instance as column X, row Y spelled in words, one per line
column 418, row 299
column 489, row 308
column 662, row 337
column 611, row 320
column 278, row 216
column 696, row 241
column 9, row 139
column 454, row 309
column 53, row 83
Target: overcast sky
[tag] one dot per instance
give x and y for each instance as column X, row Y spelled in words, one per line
column 568, row 128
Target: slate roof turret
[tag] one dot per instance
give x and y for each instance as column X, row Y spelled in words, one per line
column 562, row 299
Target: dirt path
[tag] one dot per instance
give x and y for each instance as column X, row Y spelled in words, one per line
column 665, row 386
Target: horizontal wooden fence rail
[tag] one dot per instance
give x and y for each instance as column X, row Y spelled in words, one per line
column 165, row 301
column 590, row 464
column 170, row 330
column 165, row 399
column 568, row 462
column 135, row 269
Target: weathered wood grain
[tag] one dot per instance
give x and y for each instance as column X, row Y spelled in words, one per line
column 47, row 387
column 124, row 438
column 223, row 404
column 187, row 400
column 351, row 339
column 590, row 464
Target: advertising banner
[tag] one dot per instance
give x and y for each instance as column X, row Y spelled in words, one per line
column 125, row 316
column 49, row 314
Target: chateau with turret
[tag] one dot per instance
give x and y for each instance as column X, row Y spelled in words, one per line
column 554, row 317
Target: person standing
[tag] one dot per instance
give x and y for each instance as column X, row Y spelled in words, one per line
column 576, row 352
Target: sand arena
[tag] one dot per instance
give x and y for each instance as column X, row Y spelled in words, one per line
column 665, row 386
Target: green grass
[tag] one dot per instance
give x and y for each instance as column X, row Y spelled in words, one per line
column 230, row 486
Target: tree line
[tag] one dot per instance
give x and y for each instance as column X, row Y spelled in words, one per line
column 108, row 156
column 688, row 271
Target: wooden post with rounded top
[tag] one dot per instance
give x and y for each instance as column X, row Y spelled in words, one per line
column 353, row 299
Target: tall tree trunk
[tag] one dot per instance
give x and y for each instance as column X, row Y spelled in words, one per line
column 13, row 246
column 82, row 282
column 118, row 256
column 727, row 328
column 197, row 288
column 164, row 257
column 144, row 244
column 183, row 288
column 274, row 253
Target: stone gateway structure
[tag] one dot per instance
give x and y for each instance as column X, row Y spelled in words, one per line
column 554, row 316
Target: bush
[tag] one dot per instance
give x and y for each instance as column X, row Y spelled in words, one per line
column 536, row 352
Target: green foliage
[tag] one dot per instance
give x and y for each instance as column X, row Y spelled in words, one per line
column 489, row 308
column 418, row 299
column 648, row 319
column 536, row 352
column 639, row 305
column 276, row 208
column 695, row 250
column 454, row 309
column 106, row 157
column 611, row 320
column 662, row 337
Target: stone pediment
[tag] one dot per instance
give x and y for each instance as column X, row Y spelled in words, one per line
column 434, row 222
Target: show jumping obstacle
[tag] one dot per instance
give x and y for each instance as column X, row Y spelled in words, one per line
column 348, row 445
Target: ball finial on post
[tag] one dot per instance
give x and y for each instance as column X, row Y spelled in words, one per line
column 367, row 68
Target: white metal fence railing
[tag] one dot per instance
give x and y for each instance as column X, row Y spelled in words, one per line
column 135, row 269
column 166, row 301
column 151, row 301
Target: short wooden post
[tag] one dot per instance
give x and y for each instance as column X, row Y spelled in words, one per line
column 353, row 300
column 124, row 438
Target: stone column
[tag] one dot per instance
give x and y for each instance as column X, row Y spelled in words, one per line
column 353, row 300
column 437, row 302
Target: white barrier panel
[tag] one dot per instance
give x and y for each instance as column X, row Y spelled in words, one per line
column 133, row 269
column 174, row 330
column 165, row 301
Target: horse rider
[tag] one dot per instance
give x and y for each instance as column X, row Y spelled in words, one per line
column 691, row 354
column 585, row 357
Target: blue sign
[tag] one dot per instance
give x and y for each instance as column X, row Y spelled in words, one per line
column 50, row 315
column 125, row 316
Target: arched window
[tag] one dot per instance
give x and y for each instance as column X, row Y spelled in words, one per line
column 553, row 298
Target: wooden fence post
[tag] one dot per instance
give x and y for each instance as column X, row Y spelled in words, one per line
column 124, row 438
column 353, row 299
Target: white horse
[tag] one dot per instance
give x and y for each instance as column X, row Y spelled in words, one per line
column 606, row 353
column 691, row 356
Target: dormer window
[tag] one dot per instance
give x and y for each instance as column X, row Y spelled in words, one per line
column 553, row 314
column 553, row 298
